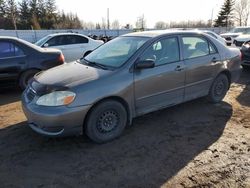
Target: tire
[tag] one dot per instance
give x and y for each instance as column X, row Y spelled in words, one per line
column 246, row 67
column 106, row 121
column 218, row 89
column 25, row 77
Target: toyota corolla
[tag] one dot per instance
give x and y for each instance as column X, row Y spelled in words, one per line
column 127, row 77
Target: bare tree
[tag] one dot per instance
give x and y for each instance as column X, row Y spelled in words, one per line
column 12, row 12
column 104, row 24
column 161, row 25
column 115, row 24
column 141, row 23
column 241, row 12
column 88, row 25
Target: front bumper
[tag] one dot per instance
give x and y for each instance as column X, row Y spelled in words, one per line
column 55, row 121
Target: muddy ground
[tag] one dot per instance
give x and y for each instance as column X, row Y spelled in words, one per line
column 196, row 144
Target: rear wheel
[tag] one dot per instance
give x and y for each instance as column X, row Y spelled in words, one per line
column 25, row 78
column 106, row 121
column 218, row 89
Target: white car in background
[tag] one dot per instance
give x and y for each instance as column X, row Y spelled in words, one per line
column 211, row 33
column 73, row 45
column 235, row 32
column 215, row 35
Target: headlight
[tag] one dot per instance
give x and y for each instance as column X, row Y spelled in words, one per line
column 56, row 98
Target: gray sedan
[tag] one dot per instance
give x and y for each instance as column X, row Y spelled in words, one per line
column 127, row 77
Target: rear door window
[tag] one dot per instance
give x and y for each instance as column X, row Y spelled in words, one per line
column 195, row 47
column 57, row 41
column 79, row 39
column 8, row 49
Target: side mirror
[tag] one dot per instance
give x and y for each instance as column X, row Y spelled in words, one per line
column 46, row 45
column 145, row 64
column 87, row 53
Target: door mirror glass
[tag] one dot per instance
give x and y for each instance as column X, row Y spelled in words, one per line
column 145, row 64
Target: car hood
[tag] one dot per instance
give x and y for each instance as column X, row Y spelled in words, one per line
column 69, row 75
column 243, row 38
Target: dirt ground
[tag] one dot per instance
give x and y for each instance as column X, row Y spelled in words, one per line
column 196, row 144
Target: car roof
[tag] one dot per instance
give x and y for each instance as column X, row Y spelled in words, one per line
column 59, row 34
column 24, row 42
column 10, row 38
column 155, row 33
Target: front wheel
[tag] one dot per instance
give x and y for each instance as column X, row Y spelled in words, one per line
column 106, row 121
column 218, row 89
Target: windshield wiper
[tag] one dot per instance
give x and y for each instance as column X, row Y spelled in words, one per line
column 95, row 64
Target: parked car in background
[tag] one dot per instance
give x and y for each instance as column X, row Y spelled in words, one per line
column 235, row 32
column 245, row 50
column 127, row 77
column 240, row 40
column 215, row 35
column 21, row 60
column 72, row 45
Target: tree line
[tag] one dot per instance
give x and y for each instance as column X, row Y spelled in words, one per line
column 43, row 14
column 232, row 13
column 35, row 14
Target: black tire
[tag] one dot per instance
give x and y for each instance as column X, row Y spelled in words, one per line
column 246, row 67
column 25, row 77
column 106, row 121
column 218, row 89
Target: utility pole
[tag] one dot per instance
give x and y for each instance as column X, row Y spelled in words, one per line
column 212, row 17
column 108, row 23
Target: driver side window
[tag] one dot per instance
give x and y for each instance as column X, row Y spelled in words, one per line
column 163, row 51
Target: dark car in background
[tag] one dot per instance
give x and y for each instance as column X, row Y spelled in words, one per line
column 21, row 60
column 245, row 51
column 129, row 76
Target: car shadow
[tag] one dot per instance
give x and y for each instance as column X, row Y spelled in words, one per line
column 151, row 151
column 243, row 98
column 9, row 95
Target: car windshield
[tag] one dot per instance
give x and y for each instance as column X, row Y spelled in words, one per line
column 42, row 40
column 116, row 52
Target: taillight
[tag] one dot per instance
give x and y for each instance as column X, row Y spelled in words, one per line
column 61, row 58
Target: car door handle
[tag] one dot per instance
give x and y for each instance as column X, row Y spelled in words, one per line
column 179, row 68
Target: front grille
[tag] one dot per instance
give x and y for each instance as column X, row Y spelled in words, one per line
column 238, row 43
column 30, row 94
column 228, row 38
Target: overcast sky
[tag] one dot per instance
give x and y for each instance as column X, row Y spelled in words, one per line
column 127, row 11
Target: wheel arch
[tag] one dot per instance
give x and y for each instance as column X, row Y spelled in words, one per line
column 114, row 98
column 22, row 72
